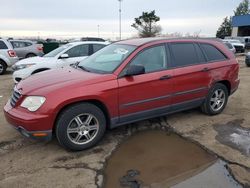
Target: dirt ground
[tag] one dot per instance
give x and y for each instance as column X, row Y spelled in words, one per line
column 29, row 163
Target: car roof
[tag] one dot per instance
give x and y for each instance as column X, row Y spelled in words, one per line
column 142, row 41
column 20, row 40
column 88, row 42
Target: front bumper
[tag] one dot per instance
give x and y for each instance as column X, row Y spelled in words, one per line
column 30, row 125
column 21, row 74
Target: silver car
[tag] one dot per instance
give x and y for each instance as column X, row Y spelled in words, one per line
column 7, row 55
column 27, row 48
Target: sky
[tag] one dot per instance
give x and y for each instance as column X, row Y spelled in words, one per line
column 82, row 18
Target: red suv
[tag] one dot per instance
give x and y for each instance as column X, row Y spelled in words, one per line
column 124, row 82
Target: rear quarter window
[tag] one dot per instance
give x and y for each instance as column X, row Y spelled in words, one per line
column 3, row 45
column 212, row 53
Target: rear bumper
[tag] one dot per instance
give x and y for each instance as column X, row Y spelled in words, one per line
column 236, row 86
column 11, row 61
column 30, row 125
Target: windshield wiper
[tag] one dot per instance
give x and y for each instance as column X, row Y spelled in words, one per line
column 83, row 68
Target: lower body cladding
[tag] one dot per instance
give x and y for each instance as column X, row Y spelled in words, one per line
column 37, row 135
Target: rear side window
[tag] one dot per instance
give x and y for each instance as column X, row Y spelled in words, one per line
column 212, row 53
column 3, row 45
column 184, row 54
column 28, row 44
column 97, row 47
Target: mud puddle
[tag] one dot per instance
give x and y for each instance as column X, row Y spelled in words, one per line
column 234, row 135
column 159, row 159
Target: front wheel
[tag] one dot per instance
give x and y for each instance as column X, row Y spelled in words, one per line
column 80, row 126
column 216, row 100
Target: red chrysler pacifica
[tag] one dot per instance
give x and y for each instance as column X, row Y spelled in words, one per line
column 124, row 82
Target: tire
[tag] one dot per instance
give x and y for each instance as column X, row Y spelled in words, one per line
column 73, row 131
column 3, row 67
column 30, row 55
column 214, row 104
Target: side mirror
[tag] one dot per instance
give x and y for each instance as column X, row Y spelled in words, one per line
column 135, row 70
column 64, row 56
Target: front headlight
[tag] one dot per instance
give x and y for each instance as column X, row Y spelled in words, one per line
column 33, row 103
column 22, row 66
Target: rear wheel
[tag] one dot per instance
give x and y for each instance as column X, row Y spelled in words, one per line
column 80, row 126
column 3, row 67
column 216, row 100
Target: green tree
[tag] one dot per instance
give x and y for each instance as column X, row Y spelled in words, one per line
column 146, row 24
column 242, row 9
column 225, row 28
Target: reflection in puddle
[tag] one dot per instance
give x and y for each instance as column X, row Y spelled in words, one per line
column 158, row 159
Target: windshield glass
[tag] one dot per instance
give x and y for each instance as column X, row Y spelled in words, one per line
column 107, row 59
column 57, row 50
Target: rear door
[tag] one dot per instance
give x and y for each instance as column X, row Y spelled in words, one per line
column 146, row 95
column 191, row 74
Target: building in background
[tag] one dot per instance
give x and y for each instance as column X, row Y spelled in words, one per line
column 241, row 26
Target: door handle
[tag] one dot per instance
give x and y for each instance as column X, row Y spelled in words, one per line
column 205, row 69
column 166, row 77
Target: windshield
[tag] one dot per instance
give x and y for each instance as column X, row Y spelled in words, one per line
column 107, row 59
column 57, row 50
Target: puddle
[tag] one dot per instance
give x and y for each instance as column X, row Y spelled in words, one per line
column 235, row 136
column 159, row 159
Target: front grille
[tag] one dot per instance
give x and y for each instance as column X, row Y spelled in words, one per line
column 239, row 47
column 16, row 95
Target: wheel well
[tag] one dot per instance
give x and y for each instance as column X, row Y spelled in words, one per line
column 227, row 84
column 4, row 62
column 97, row 103
column 39, row 70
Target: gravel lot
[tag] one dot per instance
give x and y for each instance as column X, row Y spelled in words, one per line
column 29, row 163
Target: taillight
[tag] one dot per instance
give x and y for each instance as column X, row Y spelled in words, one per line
column 40, row 48
column 12, row 53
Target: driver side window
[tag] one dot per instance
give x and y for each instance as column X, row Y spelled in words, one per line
column 78, row 51
column 153, row 59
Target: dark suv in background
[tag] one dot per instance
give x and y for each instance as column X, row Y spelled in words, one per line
column 122, row 83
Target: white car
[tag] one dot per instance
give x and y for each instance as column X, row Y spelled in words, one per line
column 239, row 46
column 7, row 56
column 65, row 55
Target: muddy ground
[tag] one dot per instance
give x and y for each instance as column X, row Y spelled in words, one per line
column 28, row 163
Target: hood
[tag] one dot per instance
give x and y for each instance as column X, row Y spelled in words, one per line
column 35, row 60
column 47, row 81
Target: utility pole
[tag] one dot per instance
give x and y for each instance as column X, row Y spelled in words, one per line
column 120, row 18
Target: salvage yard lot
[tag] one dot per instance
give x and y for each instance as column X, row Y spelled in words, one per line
column 49, row 165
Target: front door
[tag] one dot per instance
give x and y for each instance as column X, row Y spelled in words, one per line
column 146, row 95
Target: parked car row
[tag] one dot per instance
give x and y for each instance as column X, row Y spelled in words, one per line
column 63, row 56
column 124, row 82
column 7, row 56
column 239, row 46
column 13, row 50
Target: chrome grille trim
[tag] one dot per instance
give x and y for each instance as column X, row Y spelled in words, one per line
column 16, row 95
